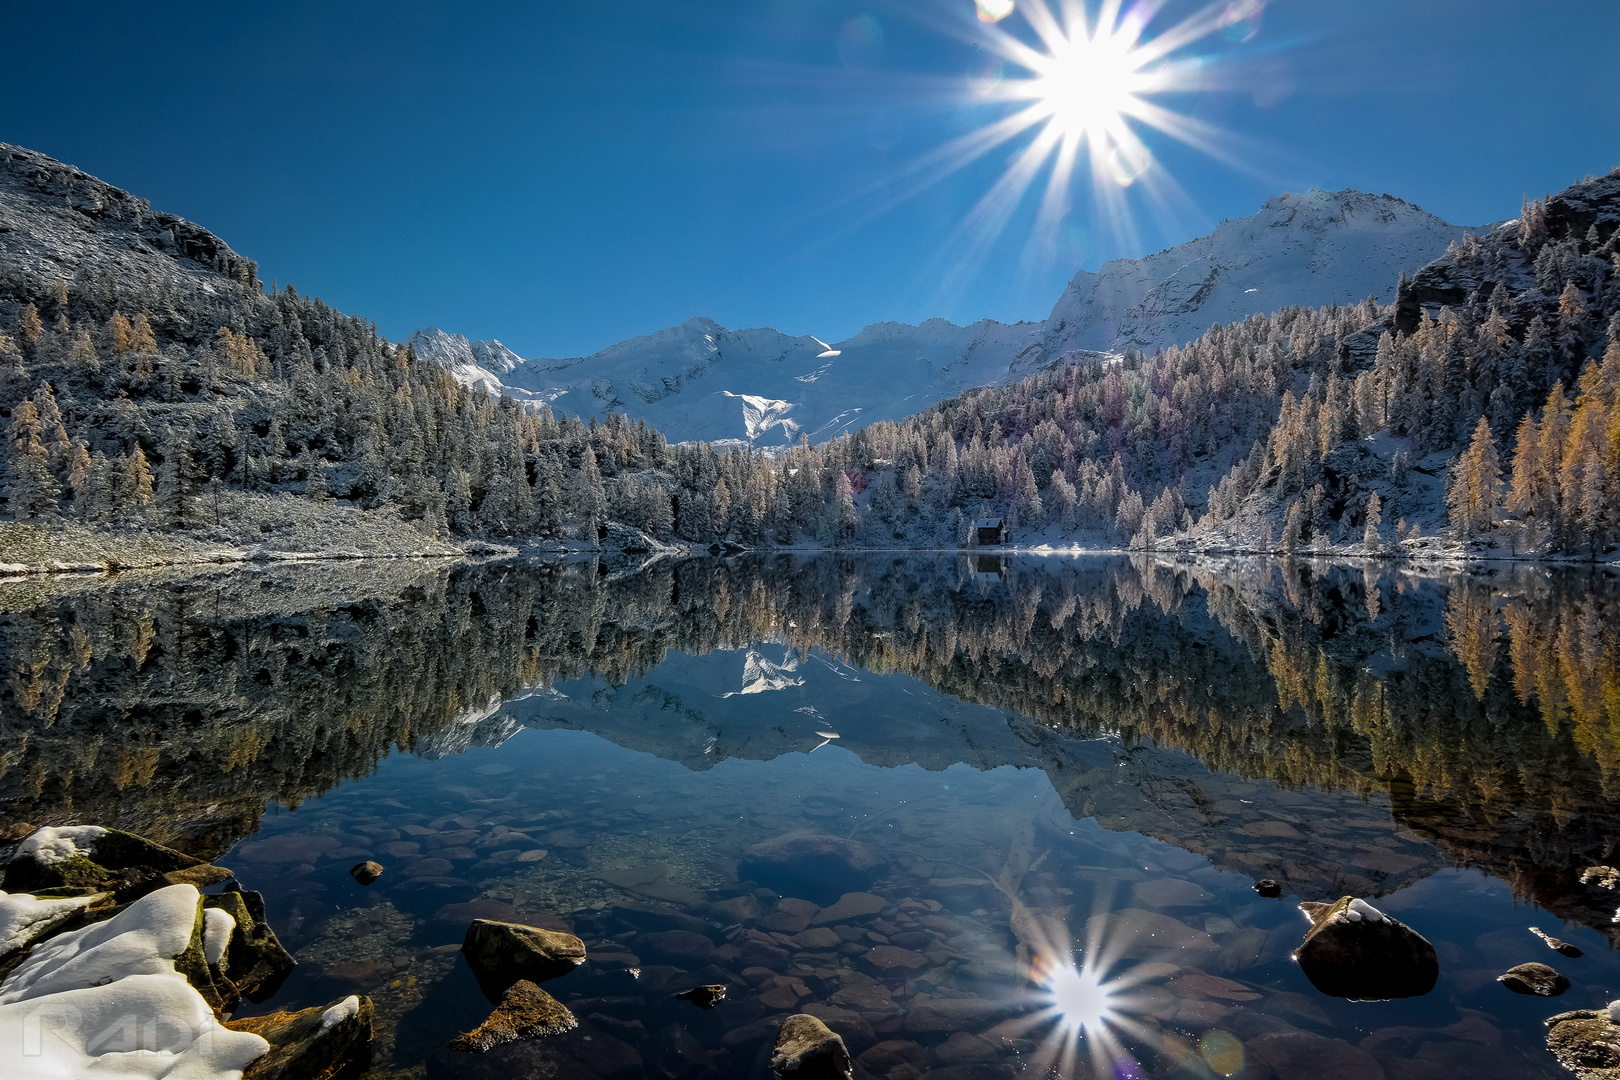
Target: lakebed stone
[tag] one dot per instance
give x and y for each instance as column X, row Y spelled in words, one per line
column 806, row 1049
column 815, row 865
column 1355, row 951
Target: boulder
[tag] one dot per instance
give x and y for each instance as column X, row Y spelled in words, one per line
column 313, row 1043
column 1268, row 888
column 525, row 1012
column 254, row 963
column 1587, row 1042
column 501, row 953
column 367, row 872
column 806, row 1049
column 1355, row 951
column 814, row 865
column 1534, row 978
column 90, row 858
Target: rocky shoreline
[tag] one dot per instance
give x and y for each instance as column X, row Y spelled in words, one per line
column 113, row 960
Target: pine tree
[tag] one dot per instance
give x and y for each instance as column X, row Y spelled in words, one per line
column 138, row 478
column 141, row 338
column 1473, row 490
column 1375, row 517
column 28, row 325
column 121, row 334
column 1294, row 526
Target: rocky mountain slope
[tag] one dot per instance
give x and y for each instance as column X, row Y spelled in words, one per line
column 700, row 380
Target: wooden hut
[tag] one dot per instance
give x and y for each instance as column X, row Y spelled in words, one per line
column 990, row 531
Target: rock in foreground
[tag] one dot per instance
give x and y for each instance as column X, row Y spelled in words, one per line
column 525, row 1012
column 501, row 953
column 806, row 1049
column 311, row 1044
column 1534, row 978
column 1355, row 951
column 1586, row 1042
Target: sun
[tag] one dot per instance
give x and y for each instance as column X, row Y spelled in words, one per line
column 1079, row 89
column 1088, row 85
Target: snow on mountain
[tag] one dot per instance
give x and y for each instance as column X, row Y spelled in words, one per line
column 1305, row 250
column 700, row 380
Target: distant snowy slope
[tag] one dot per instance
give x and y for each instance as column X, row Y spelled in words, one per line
column 1305, row 250
column 702, row 381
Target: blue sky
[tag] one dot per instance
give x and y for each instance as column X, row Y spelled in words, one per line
column 565, row 176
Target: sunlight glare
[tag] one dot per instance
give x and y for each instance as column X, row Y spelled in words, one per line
column 1090, row 84
column 1080, row 997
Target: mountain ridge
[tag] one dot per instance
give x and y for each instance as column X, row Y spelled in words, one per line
column 1307, row 250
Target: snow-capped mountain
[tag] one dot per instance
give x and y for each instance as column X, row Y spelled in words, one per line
column 700, row 380
column 1307, row 250
column 473, row 363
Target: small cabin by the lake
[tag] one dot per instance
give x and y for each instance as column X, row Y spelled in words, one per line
column 990, row 531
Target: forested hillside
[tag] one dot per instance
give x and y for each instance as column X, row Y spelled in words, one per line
column 149, row 382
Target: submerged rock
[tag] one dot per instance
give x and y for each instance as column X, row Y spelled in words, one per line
column 807, row 1049
column 1268, row 888
column 367, row 872
column 313, row 1043
column 1534, row 978
column 1355, row 951
column 525, row 1012
column 704, row 997
column 501, row 953
column 1557, row 945
column 815, row 865
column 1586, row 1042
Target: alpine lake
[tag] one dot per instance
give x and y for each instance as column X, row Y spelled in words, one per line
column 985, row 816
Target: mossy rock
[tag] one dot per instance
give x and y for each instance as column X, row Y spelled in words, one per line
column 313, row 1044
column 100, row 864
column 255, row 963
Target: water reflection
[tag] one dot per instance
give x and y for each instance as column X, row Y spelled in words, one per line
column 1047, row 785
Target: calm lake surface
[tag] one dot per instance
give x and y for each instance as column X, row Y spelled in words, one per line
column 984, row 769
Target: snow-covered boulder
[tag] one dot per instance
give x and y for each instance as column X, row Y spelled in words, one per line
column 110, row 1000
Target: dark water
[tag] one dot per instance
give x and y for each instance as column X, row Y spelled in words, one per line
column 1036, row 762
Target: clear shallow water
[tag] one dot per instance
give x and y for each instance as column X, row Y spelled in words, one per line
column 1116, row 751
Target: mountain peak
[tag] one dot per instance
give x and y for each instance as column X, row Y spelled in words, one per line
column 700, row 380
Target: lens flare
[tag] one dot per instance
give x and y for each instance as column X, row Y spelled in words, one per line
column 1222, row 1052
column 992, row 11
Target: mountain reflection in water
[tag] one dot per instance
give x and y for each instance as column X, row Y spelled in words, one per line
column 1105, row 747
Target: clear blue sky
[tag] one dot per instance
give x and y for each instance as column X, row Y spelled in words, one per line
column 562, row 176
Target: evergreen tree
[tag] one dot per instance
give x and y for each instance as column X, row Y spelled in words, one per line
column 1473, row 490
column 138, row 478
column 1375, row 517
